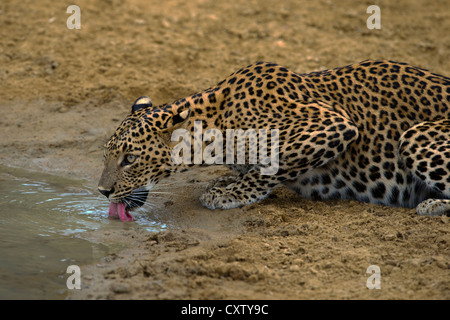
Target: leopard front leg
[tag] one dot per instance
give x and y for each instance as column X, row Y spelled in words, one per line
column 424, row 149
column 221, row 182
column 247, row 189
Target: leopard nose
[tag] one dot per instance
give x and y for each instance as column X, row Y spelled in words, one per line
column 105, row 192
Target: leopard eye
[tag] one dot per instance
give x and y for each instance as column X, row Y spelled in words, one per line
column 129, row 159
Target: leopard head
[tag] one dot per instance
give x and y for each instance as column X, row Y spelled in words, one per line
column 138, row 154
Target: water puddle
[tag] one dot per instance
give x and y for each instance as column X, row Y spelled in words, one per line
column 41, row 217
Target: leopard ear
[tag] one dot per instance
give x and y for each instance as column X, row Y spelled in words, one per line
column 180, row 117
column 171, row 121
column 141, row 102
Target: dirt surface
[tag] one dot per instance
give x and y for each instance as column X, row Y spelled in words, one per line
column 64, row 91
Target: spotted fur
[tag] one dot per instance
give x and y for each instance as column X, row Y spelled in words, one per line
column 375, row 131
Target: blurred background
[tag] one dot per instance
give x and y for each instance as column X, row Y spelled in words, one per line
column 170, row 49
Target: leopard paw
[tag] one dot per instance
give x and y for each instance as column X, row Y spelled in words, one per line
column 219, row 198
column 433, row 207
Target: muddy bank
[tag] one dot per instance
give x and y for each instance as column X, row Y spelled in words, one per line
column 64, row 91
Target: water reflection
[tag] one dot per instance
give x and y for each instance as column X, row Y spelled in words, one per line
column 40, row 217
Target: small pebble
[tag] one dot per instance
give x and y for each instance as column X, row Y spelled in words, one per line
column 120, row 288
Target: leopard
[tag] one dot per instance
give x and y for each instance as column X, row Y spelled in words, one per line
column 377, row 132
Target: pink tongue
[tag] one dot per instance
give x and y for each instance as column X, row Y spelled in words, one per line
column 117, row 210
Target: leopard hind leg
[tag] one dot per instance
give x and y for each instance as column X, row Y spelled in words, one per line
column 425, row 151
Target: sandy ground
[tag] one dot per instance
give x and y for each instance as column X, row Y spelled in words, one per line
column 64, row 91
